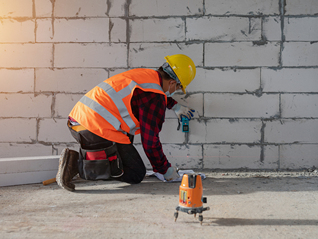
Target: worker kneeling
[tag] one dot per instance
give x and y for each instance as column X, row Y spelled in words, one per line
column 105, row 120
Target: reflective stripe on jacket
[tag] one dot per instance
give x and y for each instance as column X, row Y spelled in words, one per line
column 106, row 111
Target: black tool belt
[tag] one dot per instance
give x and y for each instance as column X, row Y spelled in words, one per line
column 96, row 164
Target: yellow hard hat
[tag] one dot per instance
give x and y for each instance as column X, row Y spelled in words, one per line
column 183, row 67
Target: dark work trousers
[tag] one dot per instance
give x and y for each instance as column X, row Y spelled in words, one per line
column 134, row 168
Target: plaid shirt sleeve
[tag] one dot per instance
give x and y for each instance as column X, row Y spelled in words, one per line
column 149, row 108
column 171, row 103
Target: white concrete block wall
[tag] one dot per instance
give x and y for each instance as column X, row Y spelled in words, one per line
column 238, row 29
column 26, row 55
column 272, row 28
column 232, row 157
column 301, row 7
column 242, row 7
column 90, row 55
column 16, row 80
column 293, row 54
column 255, row 92
column 242, row 54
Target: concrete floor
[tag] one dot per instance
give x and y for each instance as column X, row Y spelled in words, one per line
column 242, row 206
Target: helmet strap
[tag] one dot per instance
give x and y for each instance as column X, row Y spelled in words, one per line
column 166, row 68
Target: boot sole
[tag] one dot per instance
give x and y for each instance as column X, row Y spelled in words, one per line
column 117, row 176
column 64, row 158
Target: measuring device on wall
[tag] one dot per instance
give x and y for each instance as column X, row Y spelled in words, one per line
column 185, row 124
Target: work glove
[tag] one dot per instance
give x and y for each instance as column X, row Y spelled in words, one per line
column 171, row 174
column 182, row 110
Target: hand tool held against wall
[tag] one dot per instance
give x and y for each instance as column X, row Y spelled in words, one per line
column 191, row 196
column 184, row 115
column 185, row 124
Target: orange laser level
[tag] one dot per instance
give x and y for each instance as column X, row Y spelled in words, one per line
column 191, row 196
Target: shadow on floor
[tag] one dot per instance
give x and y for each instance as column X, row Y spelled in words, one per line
column 211, row 186
column 258, row 222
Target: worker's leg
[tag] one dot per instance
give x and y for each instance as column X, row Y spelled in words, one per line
column 134, row 168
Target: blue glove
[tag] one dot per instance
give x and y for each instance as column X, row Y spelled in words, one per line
column 182, row 110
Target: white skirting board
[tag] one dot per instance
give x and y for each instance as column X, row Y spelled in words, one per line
column 27, row 170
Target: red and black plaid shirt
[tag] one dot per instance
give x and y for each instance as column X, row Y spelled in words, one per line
column 149, row 108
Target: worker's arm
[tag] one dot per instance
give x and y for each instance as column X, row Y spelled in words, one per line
column 171, row 102
column 149, row 108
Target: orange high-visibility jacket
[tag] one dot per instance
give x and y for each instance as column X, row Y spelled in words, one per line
column 106, row 110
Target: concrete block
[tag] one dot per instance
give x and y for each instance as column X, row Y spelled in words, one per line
column 143, row 8
column 54, row 130
column 233, row 157
column 242, row 7
column 272, row 28
column 225, row 80
column 301, row 7
column 300, row 54
column 194, row 101
column 184, row 156
column 147, row 30
column 17, row 130
column 242, row 54
column 292, row 131
column 9, row 150
column 233, row 131
column 78, row 30
column 27, row 170
column 117, row 30
column 81, row 8
column 289, row 80
column 68, row 80
column 33, row 106
column 225, row 131
column 152, row 54
column 301, row 29
column 64, row 103
column 16, row 8
column 223, row 29
column 271, row 157
column 90, row 55
column 14, row 31
column 299, row 106
column 26, row 55
column 45, row 30
column 298, row 156
column 232, row 105
column 21, row 80
column 170, row 134
column 43, row 8
column 197, row 131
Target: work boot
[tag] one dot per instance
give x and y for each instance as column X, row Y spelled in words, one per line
column 68, row 169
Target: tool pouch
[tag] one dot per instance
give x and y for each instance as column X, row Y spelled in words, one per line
column 96, row 164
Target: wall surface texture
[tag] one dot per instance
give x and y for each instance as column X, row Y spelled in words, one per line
column 255, row 92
